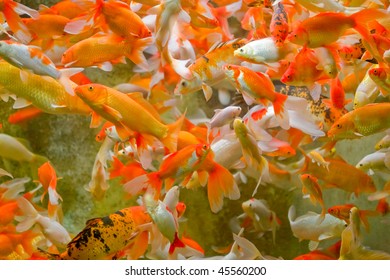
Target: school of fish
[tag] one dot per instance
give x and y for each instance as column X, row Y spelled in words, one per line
column 288, row 81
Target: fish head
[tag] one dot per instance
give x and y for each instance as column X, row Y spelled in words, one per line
column 68, row 57
column 288, row 76
column 92, row 94
column 188, row 86
column 239, row 127
column 343, row 128
column 377, row 73
column 231, row 71
column 298, row 35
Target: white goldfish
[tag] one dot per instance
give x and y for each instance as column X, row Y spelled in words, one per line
column 379, row 160
column 51, row 229
column 306, row 227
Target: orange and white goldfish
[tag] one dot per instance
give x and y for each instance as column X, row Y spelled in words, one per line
column 257, row 87
column 366, row 92
column 362, row 121
column 343, row 212
column 279, row 25
column 103, row 238
column 113, row 106
column 207, row 70
column 48, row 179
column 313, row 189
column 306, row 228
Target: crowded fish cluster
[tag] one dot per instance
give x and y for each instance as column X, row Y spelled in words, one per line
column 283, row 84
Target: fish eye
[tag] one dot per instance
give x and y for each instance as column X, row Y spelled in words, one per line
column 361, row 164
column 229, row 67
column 204, row 147
column 241, row 50
column 183, row 83
column 90, row 88
column 338, row 125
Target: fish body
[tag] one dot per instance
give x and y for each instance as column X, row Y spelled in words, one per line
column 257, row 87
column 102, row 50
column 279, row 26
column 311, row 187
column 114, row 107
column 44, row 93
column 362, row 121
column 263, row 50
column 366, row 92
column 342, row 175
column 381, row 77
column 305, row 227
column 378, row 160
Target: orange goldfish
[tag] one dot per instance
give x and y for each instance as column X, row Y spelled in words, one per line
column 279, row 24
column 48, row 179
column 10, row 11
column 113, row 106
column 341, row 175
column 47, row 27
column 343, row 212
column 101, row 50
column 337, row 95
column 313, row 189
column 255, row 86
column 362, row 121
column 316, row 31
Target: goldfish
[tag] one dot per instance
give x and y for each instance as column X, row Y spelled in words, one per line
column 14, row 149
column 381, row 77
column 247, row 83
column 343, row 212
column 306, row 228
column 48, row 179
column 103, row 238
column 32, row 59
column 207, row 70
column 318, row 158
column 10, row 11
column 322, row 6
column 383, row 143
column 264, row 51
column 366, row 92
column 375, row 161
column 102, row 50
column 362, row 121
column 24, row 114
column 351, row 179
column 51, row 229
column 279, row 26
column 351, row 242
column 251, row 151
column 112, row 105
column 315, row 32
column 313, row 189
column 262, row 218
column 44, row 93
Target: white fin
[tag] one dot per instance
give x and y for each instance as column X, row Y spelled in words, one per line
column 313, row 245
column 106, row 66
column 207, row 91
column 5, row 173
column 31, row 215
column 21, row 103
column 135, row 186
column 224, row 96
column 64, row 79
column 315, row 91
column 75, row 27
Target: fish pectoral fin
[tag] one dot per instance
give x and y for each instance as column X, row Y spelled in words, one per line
column 358, row 134
column 133, row 235
column 21, row 103
column 95, row 120
column 324, row 236
column 207, row 91
column 313, row 245
column 113, row 112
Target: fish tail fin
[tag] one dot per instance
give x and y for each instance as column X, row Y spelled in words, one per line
column 134, row 51
column 220, row 184
column 170, row 141
column 50, row 256
column 24, row 114
column 15, row 23
column 179, row 66
column 382, row 207
column 360, row 19
column 321, row 218
column 177, row 243
column 65, row 80
column 280, row 110
column 136, row 185
column 31, row 214
column 364, row 214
